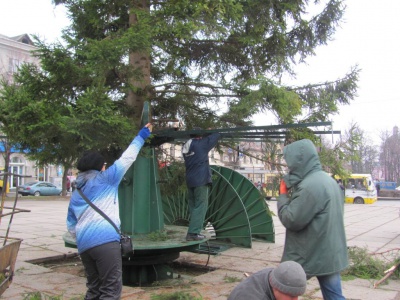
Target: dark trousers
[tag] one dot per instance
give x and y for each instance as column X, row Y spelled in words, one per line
column 103, row 268
column 198, row 204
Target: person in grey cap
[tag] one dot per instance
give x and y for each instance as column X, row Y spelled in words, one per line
column 286, row 282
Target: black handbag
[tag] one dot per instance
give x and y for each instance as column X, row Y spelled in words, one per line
column 125, row 240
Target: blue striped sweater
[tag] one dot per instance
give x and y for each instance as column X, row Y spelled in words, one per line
column 85, row 224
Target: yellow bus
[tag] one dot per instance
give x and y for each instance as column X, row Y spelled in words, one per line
column 265, row 180
column 271, row 186
column 360, row 189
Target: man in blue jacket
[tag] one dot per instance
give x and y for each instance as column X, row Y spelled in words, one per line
column 198, row 178
column 97, row 240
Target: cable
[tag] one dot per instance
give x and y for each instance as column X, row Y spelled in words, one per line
column 155, row 271
column 209, row 253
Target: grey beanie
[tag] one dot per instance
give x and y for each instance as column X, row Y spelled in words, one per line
column 289, row 278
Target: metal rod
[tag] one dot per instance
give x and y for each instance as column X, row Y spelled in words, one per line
column 14, row 210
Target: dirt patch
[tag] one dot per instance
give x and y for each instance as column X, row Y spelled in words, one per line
column 69, row 265
column 190, row 269
column 73, row 265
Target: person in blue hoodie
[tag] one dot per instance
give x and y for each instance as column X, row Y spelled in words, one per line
column 97, row 240
column 198, row 179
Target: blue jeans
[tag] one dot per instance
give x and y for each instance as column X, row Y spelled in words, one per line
column 331, row 286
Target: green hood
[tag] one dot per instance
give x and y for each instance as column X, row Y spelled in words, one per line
column 301, row 158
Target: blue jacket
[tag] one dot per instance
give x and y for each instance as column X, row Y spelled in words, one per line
column 195, row 153
column 101, row 187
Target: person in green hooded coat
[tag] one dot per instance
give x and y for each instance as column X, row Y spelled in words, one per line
column 312, row 214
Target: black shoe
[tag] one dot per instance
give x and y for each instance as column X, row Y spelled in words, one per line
column 195, row 237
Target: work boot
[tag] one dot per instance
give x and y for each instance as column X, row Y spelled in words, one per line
column 195, row 237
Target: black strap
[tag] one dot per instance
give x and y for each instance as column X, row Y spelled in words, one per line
column 98, row 210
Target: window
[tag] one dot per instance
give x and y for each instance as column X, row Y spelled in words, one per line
column 16, row 160
column 17, row 167
column 13, row 65
column 172, row 151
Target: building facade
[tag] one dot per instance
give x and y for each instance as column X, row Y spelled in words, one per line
column 247, row 158
column 15, row 51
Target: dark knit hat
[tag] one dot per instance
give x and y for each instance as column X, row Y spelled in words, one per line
column 91, row 160
column 289, row 278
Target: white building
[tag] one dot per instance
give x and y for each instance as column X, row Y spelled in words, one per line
column 14, row 51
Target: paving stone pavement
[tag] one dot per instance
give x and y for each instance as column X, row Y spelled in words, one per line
column 375, row 227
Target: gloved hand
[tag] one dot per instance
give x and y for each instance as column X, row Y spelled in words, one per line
column 145, row 132
column 282, row 187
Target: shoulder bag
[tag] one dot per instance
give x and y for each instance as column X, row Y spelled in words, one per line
column 125, row 241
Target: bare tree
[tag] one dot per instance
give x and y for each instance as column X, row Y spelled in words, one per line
column 390, row 155
column 369, row 157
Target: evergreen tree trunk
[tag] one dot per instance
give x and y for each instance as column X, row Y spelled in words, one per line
column 139, row 85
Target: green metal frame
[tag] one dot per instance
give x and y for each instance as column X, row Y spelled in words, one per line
column 239, row 134
column 237, row 210
column 140, row 198
column 257, row 210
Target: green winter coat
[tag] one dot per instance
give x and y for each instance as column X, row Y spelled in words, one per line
column 313, row 214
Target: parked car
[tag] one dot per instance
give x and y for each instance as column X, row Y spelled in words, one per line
column 39, row 188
